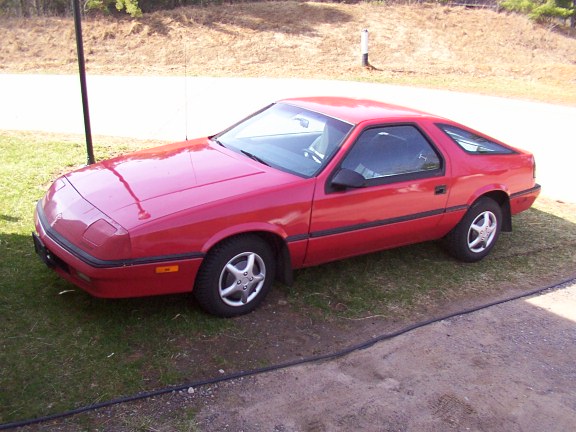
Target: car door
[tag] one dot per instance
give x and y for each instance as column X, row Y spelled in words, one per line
column 401, row 201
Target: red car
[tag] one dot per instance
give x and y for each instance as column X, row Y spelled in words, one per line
column 300, row 183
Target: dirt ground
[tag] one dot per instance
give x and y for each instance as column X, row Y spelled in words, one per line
column 506, row 368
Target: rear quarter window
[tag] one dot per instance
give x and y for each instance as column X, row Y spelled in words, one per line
column 473, row 143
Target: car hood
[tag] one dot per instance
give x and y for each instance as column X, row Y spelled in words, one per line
column 150, row 184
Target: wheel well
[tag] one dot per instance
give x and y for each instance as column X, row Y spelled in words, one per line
column 503, row 201
column 279, row 248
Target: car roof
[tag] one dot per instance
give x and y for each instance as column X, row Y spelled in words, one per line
column 355, row 110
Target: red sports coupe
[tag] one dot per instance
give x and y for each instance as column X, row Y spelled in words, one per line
column 300, row 183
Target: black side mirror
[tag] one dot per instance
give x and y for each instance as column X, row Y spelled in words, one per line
column 346, row 178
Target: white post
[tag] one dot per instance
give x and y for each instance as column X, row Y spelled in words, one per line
column 364, row 47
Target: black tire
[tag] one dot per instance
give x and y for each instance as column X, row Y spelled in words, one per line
column 476, row 234
column 235, row 276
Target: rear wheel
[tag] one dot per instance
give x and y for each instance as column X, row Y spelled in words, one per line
column 476, row 234
column 235, row 276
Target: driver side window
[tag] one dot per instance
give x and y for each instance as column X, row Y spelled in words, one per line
column 391, row 151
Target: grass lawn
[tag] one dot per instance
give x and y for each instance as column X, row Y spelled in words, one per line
column 60, row 348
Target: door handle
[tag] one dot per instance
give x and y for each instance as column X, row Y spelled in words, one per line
column 440, row 190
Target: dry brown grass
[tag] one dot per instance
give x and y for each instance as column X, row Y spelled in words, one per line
column 426, row 45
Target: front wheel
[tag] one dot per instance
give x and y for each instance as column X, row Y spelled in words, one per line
column 235, row 276
column 476, row 234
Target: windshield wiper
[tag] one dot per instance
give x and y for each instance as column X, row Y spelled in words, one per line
column 254, row 157
column 213, row 138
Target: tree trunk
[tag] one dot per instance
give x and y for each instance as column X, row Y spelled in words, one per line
column 23, row 8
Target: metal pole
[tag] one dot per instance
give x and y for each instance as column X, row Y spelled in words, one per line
column 82, row 70
column 364, row 47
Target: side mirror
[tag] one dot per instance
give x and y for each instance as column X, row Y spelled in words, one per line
column 346, row 178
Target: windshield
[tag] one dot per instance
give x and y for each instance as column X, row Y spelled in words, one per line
column 288, row 138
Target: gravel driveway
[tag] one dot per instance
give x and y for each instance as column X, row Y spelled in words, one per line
column 506, row 368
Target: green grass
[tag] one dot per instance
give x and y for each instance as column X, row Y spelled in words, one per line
column 61, row 348
column 412, row 279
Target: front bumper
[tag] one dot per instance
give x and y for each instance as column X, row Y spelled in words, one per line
column 133, row 278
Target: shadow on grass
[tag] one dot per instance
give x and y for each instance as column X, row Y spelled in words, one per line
column 563, row 30
column 291, row 18
column 62, row 348
column 8, row 218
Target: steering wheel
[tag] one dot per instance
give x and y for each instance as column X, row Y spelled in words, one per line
column 310, row 152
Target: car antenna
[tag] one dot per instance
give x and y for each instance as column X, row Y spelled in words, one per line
column 185, row 89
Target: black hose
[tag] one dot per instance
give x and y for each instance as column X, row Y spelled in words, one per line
column 329, row 356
